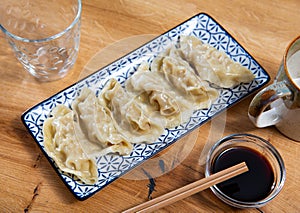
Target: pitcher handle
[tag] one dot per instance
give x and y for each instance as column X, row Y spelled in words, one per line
column 258, row 111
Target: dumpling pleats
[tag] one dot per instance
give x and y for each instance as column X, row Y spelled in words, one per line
column 157, row 95
column 62, row 145
column 97, row 126
column 132, row 118
column 183, row 78
column 213, row 65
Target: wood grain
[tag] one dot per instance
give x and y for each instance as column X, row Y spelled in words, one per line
column 27, row 181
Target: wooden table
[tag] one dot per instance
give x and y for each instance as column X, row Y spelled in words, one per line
column 27, row 181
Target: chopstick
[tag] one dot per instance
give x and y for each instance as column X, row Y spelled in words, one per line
column 189, row 189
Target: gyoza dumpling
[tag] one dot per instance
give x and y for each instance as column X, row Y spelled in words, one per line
column 213, row 65
column 132, row 119
column 62, row 145
column 97, row 125
column 182, row 76
column 143, row 81
column 157, row 94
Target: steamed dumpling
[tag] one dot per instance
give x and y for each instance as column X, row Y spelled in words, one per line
column 183, row 78
column 132, row 118
column 63, row 147
column 153, row 91
column 97, row 125
column 213, row 65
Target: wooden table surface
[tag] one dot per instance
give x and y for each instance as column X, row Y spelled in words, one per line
column 28, row 182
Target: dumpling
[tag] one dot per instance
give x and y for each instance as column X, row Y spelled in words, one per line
column 151, row 89
column 63, row 147
column 97, row 125
column 183, row 78
column 133, row 119
column 213, row 65
column 143, row 81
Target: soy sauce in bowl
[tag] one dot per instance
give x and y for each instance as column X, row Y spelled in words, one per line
column 254, row 185
column 258, row 186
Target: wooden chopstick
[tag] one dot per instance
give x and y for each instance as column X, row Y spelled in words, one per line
column 189, row 189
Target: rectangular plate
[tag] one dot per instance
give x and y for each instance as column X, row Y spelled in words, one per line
column 111, row 167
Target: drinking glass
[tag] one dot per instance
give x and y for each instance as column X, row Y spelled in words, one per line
column 44, row 35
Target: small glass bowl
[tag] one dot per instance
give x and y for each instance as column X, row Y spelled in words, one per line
column 259, row 145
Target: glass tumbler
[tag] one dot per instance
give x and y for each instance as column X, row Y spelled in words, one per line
column 44, row 35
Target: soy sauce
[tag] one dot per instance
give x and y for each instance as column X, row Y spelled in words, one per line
column 251, row 186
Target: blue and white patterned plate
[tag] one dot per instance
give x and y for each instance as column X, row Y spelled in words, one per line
column 111, row 167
